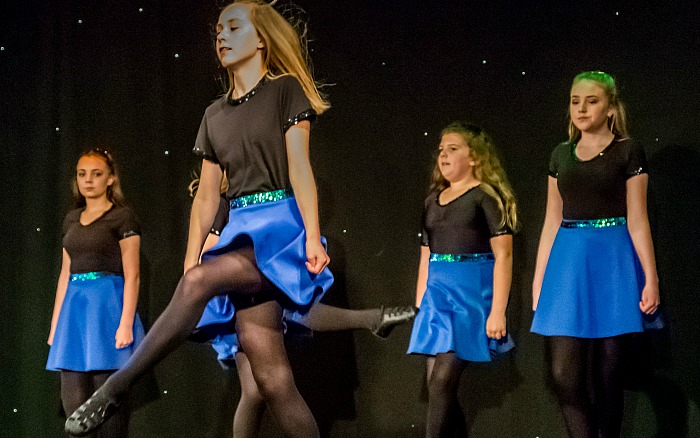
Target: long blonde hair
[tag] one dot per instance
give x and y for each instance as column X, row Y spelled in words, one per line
column 617, row 123
column 284, row 52
column 487, row 170
column 114, row 191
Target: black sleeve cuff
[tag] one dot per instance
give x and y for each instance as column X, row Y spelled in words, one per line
column 308, row 114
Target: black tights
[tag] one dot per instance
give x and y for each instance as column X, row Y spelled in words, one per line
column 259, row 333
column 444, row 413
column 588, row 382
column 76, row 387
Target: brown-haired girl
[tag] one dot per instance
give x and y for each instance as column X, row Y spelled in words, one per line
column 465, row 267
column 95, row 328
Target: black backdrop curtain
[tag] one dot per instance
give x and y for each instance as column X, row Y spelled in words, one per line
column 136, row 76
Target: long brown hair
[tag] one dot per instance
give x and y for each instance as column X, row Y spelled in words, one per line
column 617, row 123
column 284, row 52
column 114, row 191
column 487, row 170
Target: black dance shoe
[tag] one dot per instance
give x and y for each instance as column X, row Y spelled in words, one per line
column 91, row 414
column 391, row 317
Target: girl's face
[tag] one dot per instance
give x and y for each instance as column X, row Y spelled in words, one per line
column 237, row 41
column 589, row 107
column 454, row 159
column 93, row 177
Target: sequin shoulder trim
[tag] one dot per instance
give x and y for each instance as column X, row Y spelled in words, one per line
column 640, row 170
column 201, row 154
column 129, row 234
column 308, row 114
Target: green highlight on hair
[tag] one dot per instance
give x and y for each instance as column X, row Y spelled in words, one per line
column 596, row 76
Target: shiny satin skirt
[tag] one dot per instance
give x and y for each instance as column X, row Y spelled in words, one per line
column 271, row 221
column 455, row 307
column 84, row 339
column 592, row 283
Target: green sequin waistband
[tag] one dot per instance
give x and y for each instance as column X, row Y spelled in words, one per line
column 261, row 198
column 594, row 223
column 85, row 276
column 477, row 257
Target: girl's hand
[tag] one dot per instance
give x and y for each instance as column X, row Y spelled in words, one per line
column 650, row 298
column 124, row 336
column 496, row 326
column 316, row 256
column 51, row 333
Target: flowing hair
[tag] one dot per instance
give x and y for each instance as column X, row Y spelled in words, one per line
column 487, row 170
column 114, row 191
column 285, row 50
column 617, row 123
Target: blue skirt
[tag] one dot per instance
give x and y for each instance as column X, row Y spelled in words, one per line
column 87, row 324
column 592, row 284
column 455, row 307
column 273, row 223
column 226, row 346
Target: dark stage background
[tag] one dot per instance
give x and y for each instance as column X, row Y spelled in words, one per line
column 137, row 75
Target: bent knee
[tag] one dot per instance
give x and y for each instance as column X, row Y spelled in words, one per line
column 193, row 285
column 251, row 393
column 272, row 383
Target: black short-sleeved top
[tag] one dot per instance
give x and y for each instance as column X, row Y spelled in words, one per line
column 462, row 226
column 246, row 135
column 221, row 218
column 596, row 188
column 95, row 247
